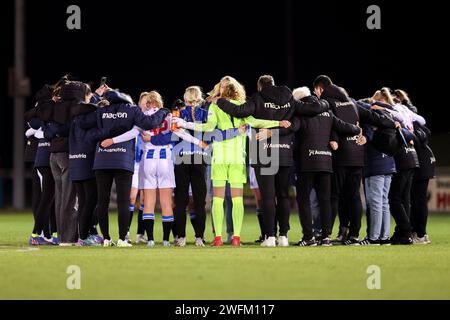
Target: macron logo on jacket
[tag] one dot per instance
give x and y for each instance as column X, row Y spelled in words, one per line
column 120, row 115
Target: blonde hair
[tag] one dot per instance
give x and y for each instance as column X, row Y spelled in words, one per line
column 235, row 90
column 385, row 95
column 142, row 97
column 193, row 96
column 154, row 99
column 402, row 95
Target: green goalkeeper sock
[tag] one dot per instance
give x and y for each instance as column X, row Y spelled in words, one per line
column 238, row 215
column 218, row 213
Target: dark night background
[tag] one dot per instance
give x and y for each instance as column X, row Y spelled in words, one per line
column 169, row 45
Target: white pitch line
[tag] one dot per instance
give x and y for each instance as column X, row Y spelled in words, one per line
column 28, row 250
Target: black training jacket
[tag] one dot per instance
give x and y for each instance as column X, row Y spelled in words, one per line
column 274, row 103
column 350, row 154
column 313, row 141
column 427, row 160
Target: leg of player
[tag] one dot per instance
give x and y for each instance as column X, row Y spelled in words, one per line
column 148, row 216
column 133, row 196
column 123, row 180
column 104, row 183
column 140, row 237
column 237, row 193
column 199, row 196
column 165, row 201
column 217, row 211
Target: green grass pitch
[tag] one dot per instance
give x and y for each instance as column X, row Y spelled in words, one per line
column 250, row 272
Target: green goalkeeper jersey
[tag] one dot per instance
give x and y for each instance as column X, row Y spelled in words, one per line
column 230, row 151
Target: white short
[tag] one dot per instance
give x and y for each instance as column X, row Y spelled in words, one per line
column 135, row 182
column 157, row 174
column 252, row 178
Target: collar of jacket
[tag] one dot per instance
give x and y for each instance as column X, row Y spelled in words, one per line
column 334, row 92
column 116, row 97
column 44, row 94
column 83, row 108
column 278, row 95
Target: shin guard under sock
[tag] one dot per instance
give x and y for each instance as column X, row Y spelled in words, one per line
column 238, row 215
column 167, row 227
column 218, row 212
column 148, row 222
column 140, row 226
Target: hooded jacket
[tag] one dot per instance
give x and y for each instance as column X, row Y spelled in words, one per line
column 427, row 160
column 350, row 154
column 313, row 140
column 57, row 129
column 274, row 103
column 376, row 162
column 82, row 143
column 37, row 150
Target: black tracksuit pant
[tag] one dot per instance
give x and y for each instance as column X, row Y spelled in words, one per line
column 419, row 206
column 345, row 196
column 46, row 203
column 275, row 199
column 35, row 195
column 123, row 180
column 321, row 182
column 400, row 201
column 193, row 174
column 87, row 201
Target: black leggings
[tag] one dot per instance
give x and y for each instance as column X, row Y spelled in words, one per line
column 193, row 174
column 419, row 206
column 400, row 201
column 346, row 198
column 321, row 182
column 46, row 203
column 87, row 201
column 123, row 179
column 35, row 195
column 275, row 199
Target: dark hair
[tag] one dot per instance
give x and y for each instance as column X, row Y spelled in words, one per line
column 265, row 81
column 322, row 81
column 58, row 85
column 177, row 104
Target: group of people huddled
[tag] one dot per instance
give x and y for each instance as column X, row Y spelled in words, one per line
column 324, row 143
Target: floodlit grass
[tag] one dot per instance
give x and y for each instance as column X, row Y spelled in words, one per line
column 250, row 272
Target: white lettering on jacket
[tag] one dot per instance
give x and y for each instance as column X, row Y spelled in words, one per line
column 410, row 150
column 355, row 138
column 77, row 156
column 343, row 104
column 276, row 146
column 113, row 150
column 270, row 105
column 43, row 144
column 120, row 115
column 319, row 153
